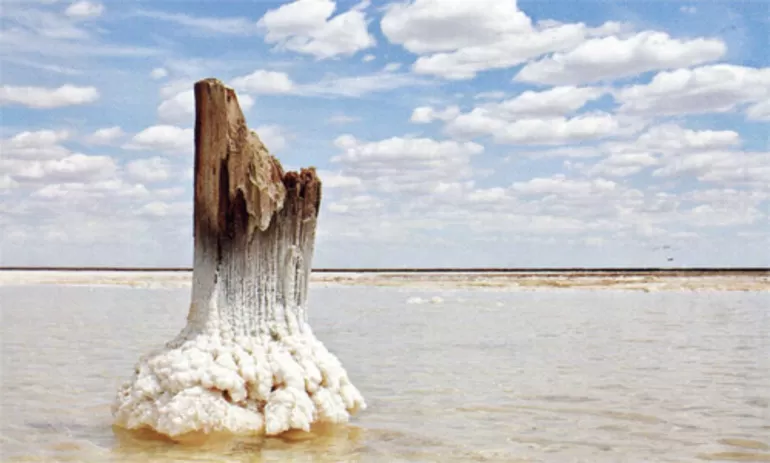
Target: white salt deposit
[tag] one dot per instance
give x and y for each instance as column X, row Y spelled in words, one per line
column 246, row 363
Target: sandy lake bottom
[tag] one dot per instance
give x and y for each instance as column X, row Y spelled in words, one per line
column 477, row 375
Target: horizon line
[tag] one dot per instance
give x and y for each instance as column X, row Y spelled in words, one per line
column 413, row 269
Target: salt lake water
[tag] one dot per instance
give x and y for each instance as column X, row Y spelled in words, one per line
column 476, row 375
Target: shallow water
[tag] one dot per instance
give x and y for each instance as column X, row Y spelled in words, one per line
column 563, row 376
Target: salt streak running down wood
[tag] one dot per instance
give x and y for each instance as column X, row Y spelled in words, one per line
column 247, row 362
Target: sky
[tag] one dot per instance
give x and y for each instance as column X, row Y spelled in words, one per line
column 485, row 133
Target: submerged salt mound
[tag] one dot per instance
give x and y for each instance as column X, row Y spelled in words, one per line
column 244, row 386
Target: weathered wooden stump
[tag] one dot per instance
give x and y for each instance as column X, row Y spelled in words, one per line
column 247, row 362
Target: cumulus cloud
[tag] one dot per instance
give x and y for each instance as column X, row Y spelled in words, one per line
column 155, row 169
column 75, row 167
column 35, row 145
column 514, row 130
column 164, row 209
column 307, row 26
column 557, row 101
column 167, row 138
column 46, row 98
column 264, row 82
column 337, row 180
column 273, row 136
column 609, row 58
column 400, row 164
column 105, row 136
column 460, row 39
column 356, row 204
column 560, row 185
column 706, row 89
column 729, row 168
column 657, row 146
column 532, row 117
column 623, row 164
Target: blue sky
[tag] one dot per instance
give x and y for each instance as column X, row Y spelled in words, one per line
column 446, row 132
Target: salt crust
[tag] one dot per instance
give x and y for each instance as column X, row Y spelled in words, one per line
column 201, row 383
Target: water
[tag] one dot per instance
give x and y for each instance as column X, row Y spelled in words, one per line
column 551, row 376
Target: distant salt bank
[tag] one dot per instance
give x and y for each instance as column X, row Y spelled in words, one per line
column 510, row 281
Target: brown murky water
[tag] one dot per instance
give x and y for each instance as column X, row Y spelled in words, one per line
column 479, row 375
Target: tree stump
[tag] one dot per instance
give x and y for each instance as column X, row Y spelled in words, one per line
column 247, row 362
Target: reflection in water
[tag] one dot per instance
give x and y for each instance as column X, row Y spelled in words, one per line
column 323, row 444
column 483, row 376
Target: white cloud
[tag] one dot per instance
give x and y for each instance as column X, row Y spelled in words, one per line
column 487, row 195
column 113, row 188
column 707, row 215
column 656, row 146
column 73, row 168
column 688, row 9
column 557, row 101
column 264, row 82
column 608, row 58
column 532, row 117
column 105, row 136
column 158, row 73
column 35, row 145
column 331, row 179
column 540, row 131
column 623, row 164
column 560, row 185
column 368, row 58
column 273, row 136
column 673, row 139
column 418, row 150
column 356, row 204
column 153, row 169
column 307, row 26
column 425, row 26
column 405, row 164
column 717, row 88
column 45, row 98
column 180, row 108
column 427, row 114
column 730, row 168
column 166, row 138
column 392, row 67
column 175, row 87
column 461, row 39
column 164, row 209
column 84, row 9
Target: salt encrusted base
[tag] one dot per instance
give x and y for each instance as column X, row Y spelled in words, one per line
column 246, row 386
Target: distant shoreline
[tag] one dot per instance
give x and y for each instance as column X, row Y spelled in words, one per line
column 510, row 279
column 563, row 270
